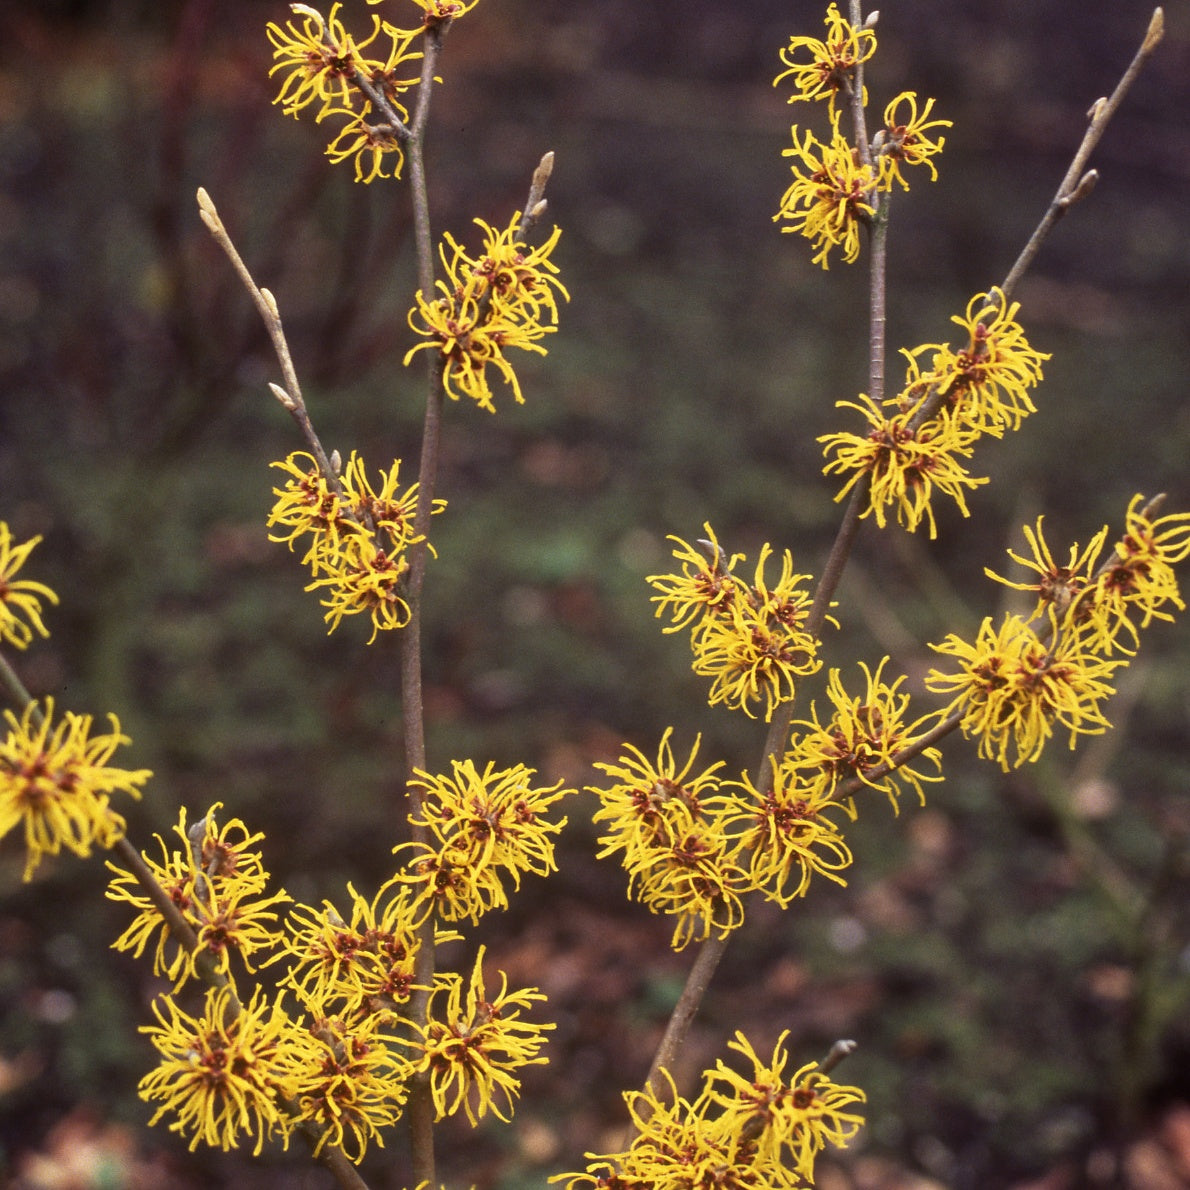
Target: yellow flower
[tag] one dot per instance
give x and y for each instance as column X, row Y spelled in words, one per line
column 986, row 382
column 220, row 1073
column 790, row 835
column 906, row 464
column 371, row 142
column 361, row 578
column 1012, row 687
column 349, row 1083
column 706, row 586
column 321, row 59
column 831, row 66
column 1056, row 586
column 472, row 1047
column 20, row 599
column 829, row 196
column 487, row 827
column 669, row 825
column 217, row 882
column 760, row 1130
column 649, row 800
column 486, row 306
column 1141, row 575
column 788, row 1120
column 438, row 11
column 906, row 142
column 56, row 783
column 359, row 967
column 862, row 738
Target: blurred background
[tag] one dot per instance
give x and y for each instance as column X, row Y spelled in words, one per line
column 1013, row 959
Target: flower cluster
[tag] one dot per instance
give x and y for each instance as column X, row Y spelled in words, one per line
column 20, row 598
column 487, row 829
column 506, row 297
column 359, row 967
column 359, row 81
column 1015, row 682
column 220, row 1073
column 749, row 638
column 835, row 182
column 56, row 784
column 669, row 825
column 472, row 1045
column 759, row 1129
column 914, row 446
column 358, row 536
column 216, row 880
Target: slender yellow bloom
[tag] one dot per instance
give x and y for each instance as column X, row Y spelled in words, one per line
column 907, row 140
column 986, row 382
column 667, row 823
column 789, row 834
column 472, row 1047
column 863, row 738
column 487, row 828
column 1012, row 687
column 373, row 145
column 363, row 966
column 830, row 68
column 56, row 784
column 1057, row 586
column 906, row 464
column 220, row 1073
column 349, row 1082
column 1141, row 575
column 761, row 1130
column 216, row 881
column 438, row 11
column 830, row 196
column 20, row 598
column 320, row 60
column 789, row 1119
column 485, row 306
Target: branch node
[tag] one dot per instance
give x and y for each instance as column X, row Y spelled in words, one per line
column 286, row 400
column 271, row 302
column 336, row 462
column 1085, row 185
column 871, row 19
column 1095, row 108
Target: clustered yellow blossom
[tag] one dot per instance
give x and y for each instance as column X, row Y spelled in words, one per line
column 836, row 183
column 747, row 637
column 472, row 1045
column 915, row 445
column 220, row 1073
column 359, row 967
column 217, row 881
column 357, row 537
column 487, row 829
column 20, row 598
column 694, row 845
column 1017, row 682
column 760, row 1130
column 56, row 784
column 669, row 825
column 863, row 741
column 506, row 297
column 359, row 81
